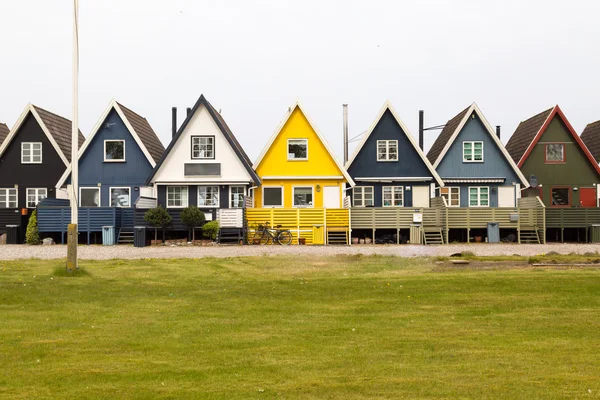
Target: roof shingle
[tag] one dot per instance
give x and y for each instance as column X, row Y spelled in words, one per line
column 591, row 138
column 526, row 131
column 3, row 132
column 445, row 136
column 60, row 129
column 145, row 133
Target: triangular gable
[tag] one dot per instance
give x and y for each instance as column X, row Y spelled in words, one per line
column 113, row 105
column 227, row 133
column 314, row 129
column 457, row 124
column 388, row 106
column 556, row 111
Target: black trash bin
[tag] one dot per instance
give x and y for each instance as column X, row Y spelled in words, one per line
column 139, row 236
column 12, row 234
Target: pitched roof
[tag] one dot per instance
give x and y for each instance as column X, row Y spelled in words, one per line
column 388, row 106
column 591, row 138
column 445, row 136
column 524, row 135
column 225, row 130
column 3, row 132
column 60, row 129
column 145, row 133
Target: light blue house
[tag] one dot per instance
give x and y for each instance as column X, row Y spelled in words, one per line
column 476, row 168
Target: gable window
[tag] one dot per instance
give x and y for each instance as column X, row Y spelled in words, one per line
column 89, row 197
column 472, row 151
column 479, row 197
column 393, row 196
column 120, row 197
column 362, row 196
column 297, row 149
column 35, row 195
column 561, row 196
column 273, row 196
column 303, row 196
column 203, row 147
column 236, row 196
column 177, row 196
column 452, row 195
column 8, row 198
column 114, row 150
column 387, row 150
column 555, row 153
column 31, row 153
column 208, row 196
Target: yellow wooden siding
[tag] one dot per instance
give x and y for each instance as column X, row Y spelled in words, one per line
column 288, row 186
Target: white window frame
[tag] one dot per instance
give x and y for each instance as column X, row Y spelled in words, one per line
column 31, row 160
column 91, row 188
column 449, row 200
column 185, row 199
column 114, row 160
column 282, row 196
column 37, row 194
column 206, row 187
column 362, row 196
column 479, row 196
column 7, row 193
column 473, row 160
column 393, row 189
column 387, row 151
column 231, row 194
column 312, row 188
column 288, row 149
column 110, row 189
column 212, row 138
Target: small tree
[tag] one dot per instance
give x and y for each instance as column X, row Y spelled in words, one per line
column 193, row 217
column 210, row 230
column 32, row 236
column 158, row 217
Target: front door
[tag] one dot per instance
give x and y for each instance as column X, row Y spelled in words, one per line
column 506, row 196
column 421, row 196
column 331, row 197
column 587, row 197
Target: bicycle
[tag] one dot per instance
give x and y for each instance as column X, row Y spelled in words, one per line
column 276, row 235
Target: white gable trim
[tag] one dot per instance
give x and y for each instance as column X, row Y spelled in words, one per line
column 388, row 106
column 490, row 130
column 319, row 136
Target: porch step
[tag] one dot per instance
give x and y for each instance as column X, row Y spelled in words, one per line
column 230, row 235
column 125, row 237
column 338, row 237
column 529, row 237
column 433, row 236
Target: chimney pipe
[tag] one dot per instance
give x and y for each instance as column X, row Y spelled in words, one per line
column 498, row 132
column 188, row 111
column 174, row 121
column 345, row 107
column 421, row 128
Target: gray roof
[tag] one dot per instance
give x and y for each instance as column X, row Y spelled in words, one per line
column 145, row 133
column 60, row 129
column 3, row 132
column 520, row 140
column 445, row 136
column 591, row 138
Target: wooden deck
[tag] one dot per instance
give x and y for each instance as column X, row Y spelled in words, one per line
column 572, row 218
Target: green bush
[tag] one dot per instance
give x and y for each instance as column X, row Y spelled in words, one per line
column 210, row 230
column 158, row 217
column 192, row 217
column 32, row 236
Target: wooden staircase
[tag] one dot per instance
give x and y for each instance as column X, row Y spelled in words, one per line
column 433, row 236
column 337, row 236
column 529, row 235
column 125, row 236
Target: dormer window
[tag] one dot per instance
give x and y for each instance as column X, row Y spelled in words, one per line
column 114, row 151
column 31, row 153
column 203, row 147
column 472, row 151
column 387, row 150
column 297, row 149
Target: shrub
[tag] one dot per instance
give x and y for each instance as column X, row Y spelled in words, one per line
column 210, row 230
column 158, row 217
column 192, row 217
column 32, row 236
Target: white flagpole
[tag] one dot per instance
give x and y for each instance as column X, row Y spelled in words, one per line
column 72, row 231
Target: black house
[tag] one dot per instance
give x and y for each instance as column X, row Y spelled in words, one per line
column 33, row 156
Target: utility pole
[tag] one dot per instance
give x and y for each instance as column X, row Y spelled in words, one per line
column 345, row 107
column 72, row 236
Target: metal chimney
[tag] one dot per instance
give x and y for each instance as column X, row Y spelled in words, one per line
column 174, row 121
column 188, row 111
column 421, row 128
column 498, row 132
column 345, row 107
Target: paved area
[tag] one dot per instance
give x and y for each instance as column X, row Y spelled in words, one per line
column 12, row 252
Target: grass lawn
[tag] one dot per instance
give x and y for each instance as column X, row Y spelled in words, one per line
column 346, row 327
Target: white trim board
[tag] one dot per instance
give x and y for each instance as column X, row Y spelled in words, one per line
column 300, row 178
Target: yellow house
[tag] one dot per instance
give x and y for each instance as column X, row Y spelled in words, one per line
column 298, row 169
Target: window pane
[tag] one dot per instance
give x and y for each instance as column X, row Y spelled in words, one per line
column 297, row 149
column 555, row 152
column 303, row 196
column 273, row 196
column 560, row 197
column 89, row 197
column 208, row 196
column 177, row 196
column 119, row 197
column 115, row 150
column 237, row 197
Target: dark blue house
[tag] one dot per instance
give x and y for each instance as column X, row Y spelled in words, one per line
column 389, row 168
column 474, row 165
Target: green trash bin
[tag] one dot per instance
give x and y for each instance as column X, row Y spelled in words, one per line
column 139, row 236
column 108, row 235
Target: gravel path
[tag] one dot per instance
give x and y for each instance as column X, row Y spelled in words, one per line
column 12, row 252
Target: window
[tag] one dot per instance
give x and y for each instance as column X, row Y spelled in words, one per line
column 31, row 153
column 177, row 196
column 362, row 196
column 387, row 150
column 8, row 198
column 452, row 195
column 236, row 196
column 297, row 149
column 303, row 196
column 272, row 197
column 35, row 195
column 89, row 197
column 561, row 197
column 120, row 197
column 472, row 151
column 479, row 197
column 555, row 153
column 114, row 150
column 208, row 196
column 393, row 196
column 203, row 147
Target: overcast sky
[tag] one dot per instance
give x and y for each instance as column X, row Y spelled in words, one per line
column 252, row 59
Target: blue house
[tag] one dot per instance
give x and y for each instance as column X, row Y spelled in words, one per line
column 474, row 165
column 389, row 168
